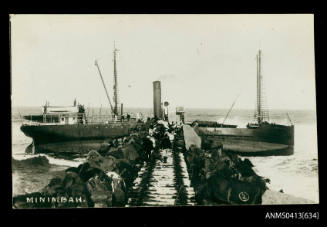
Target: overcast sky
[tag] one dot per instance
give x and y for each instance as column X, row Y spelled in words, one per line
column 202, row 61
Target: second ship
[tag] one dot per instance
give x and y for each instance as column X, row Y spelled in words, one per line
column 260, row 138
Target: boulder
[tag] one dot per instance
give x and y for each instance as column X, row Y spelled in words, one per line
column 73, row 184
column 107, row 189
column 219, row 188
column 104, row 188
column 100, row 190
column 245, row 168
column 126, row 171
column 54, row 186
column 136, row 141
column 97, row 161
column 118, row 189
column 86, row 171
column 73, row 187
column 130, row 153
column 116, row 152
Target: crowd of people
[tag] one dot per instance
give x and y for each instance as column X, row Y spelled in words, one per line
column 160, row 138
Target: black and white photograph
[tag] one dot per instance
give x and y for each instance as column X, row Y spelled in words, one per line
column 163, row 110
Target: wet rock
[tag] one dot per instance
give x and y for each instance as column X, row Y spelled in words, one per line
column 219, row 177
column 126, row 171
column 73, row 184
column 104, row 148
column 194, row 153
column 116, row 152
column 53, row 187
column 218, row 188
column 100, row 190
column 94, row 158
column 130, row 153
column 245, row 168
column 73, row 187
column 223, row 165
column 104, row 163
column 86, row 171
column 97, row 187
column 107, row 190
column 118, row 189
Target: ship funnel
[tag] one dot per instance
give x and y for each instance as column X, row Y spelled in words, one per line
column 157, row 112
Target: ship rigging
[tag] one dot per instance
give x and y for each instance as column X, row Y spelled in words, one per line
column 261, row 113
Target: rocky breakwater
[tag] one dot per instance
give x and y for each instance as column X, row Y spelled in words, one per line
column 222, row 178
column 103, row 180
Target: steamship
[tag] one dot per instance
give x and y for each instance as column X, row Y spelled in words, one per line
column 68, row 129
column 259, row 138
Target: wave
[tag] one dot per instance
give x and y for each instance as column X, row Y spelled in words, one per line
column 42, row 160
column 64, row 162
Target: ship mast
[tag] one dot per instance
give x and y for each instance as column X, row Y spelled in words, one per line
column 115, row 83
column 259, row 94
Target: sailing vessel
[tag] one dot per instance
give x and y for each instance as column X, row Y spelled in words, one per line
column 69, row 129
column 259, row 138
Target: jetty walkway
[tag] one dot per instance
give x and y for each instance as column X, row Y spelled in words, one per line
column 163, row 182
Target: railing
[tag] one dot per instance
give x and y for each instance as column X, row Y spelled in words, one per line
column 54, row 119
column 26, row 122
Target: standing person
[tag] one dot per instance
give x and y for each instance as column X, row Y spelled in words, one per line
column 166, row 144
column 148, row 147
column 137, row 116
column 151, row 130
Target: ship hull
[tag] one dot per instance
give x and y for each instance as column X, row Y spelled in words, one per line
column 267, row 140
column 78, row 138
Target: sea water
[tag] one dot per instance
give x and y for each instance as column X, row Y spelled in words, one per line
column 296, row 174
